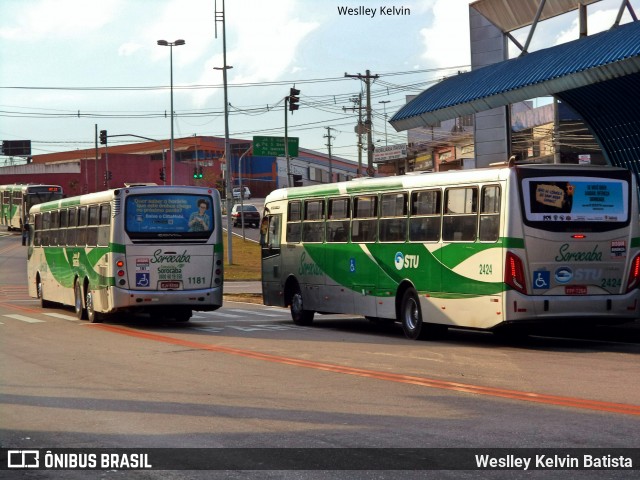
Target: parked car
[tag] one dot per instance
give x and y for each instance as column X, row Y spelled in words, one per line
column 246, row 193
column 249, row 212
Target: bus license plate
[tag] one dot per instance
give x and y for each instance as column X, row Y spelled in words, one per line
column 170, row 285
column 575, row 290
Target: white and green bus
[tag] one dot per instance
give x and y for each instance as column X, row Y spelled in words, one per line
column 17, row 199
column 481, row 248
column 147, row 249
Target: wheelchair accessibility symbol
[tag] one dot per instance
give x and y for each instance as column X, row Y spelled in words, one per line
column 541, row 279
column 142, row 279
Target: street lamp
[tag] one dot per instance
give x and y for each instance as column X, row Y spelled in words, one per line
column 164, row 43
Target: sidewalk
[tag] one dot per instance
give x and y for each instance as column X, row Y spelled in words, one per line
column 239, row 286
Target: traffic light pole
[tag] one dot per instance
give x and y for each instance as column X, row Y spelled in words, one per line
column 286, row 142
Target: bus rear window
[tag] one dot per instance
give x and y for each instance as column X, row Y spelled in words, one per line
column 586, row 200
column 168, row 216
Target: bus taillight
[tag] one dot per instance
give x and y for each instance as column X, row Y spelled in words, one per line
column 634, row 274
column 514, row 273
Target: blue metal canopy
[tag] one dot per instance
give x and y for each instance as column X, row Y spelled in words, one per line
column 598, row 76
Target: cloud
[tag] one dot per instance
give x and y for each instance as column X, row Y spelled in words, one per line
column 34, row 21
column 446, row 41
column 262, row 41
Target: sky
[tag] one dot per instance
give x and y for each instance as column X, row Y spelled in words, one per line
column 69, row 65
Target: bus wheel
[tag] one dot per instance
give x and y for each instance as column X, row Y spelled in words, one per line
column 183, row 315
column 92, row 315
column 40, row 289
column 81, row 313
column 411, row 316
column 299, row 315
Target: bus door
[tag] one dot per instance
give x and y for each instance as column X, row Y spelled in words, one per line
column 270, row 242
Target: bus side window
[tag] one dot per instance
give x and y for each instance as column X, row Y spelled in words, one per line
column 64, row 223
column 365, row 212
column 294, row 217
column 393, row 227
column 338, row 213
column 104, row 228
column 460, row 222
column 92, row 228
column 273, row 235
column 81, row 239
column 490, row 214
column 72, row 232
column 37, row 227
column 313, row 221
column 426, row 218
column 46, row 225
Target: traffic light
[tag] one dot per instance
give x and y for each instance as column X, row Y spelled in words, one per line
column 109, row 175
column 294, row 99
column 103, row 137
column 195, row 172
column 162, row 175
column 200, row 175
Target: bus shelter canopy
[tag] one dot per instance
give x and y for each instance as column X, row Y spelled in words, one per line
column 597, row 76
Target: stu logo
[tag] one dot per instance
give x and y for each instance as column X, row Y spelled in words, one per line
column 406, row 261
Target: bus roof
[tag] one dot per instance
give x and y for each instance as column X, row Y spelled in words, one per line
column 423, row 179
column 108, row 195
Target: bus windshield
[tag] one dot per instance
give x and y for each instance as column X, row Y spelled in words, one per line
column 41, row 194
column 168, row 215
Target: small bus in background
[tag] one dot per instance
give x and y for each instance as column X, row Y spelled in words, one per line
column 17, row 199
column 482, row 248
column 151, row 249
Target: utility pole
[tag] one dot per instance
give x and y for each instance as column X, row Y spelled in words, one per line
column 358, row 101
column 384, row 105
column 329, row 137
column 367, row 81
column 220, row 17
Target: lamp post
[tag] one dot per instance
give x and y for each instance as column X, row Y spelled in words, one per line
column 164, row 43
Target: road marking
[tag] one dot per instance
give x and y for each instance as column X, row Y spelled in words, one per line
column 256, row 312
column 62, row 316
column 22, row 318
column 221, row 314
column 571, row 402
column 209, row 329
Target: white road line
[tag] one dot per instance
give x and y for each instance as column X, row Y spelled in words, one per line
column 22, row 318
column 221, row 314
column 256, row 312
column 62, row 316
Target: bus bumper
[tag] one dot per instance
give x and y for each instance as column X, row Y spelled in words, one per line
column 591, row 308
column 207, row 299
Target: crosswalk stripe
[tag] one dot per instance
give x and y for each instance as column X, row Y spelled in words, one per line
column 62, row 316
column 22, row 318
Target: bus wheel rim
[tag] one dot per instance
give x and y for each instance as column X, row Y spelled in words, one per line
column 412, row 318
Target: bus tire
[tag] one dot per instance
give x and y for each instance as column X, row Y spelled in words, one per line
column 411, row 316
column 40, row 289
column 92, row 315
column 81, row 313
column 299, row 315
column 183, row 315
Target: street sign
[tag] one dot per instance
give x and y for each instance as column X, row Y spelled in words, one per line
column 274, row 146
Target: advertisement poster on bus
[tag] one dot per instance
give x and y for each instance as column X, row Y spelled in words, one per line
column 570, row 199
column 170, row 213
